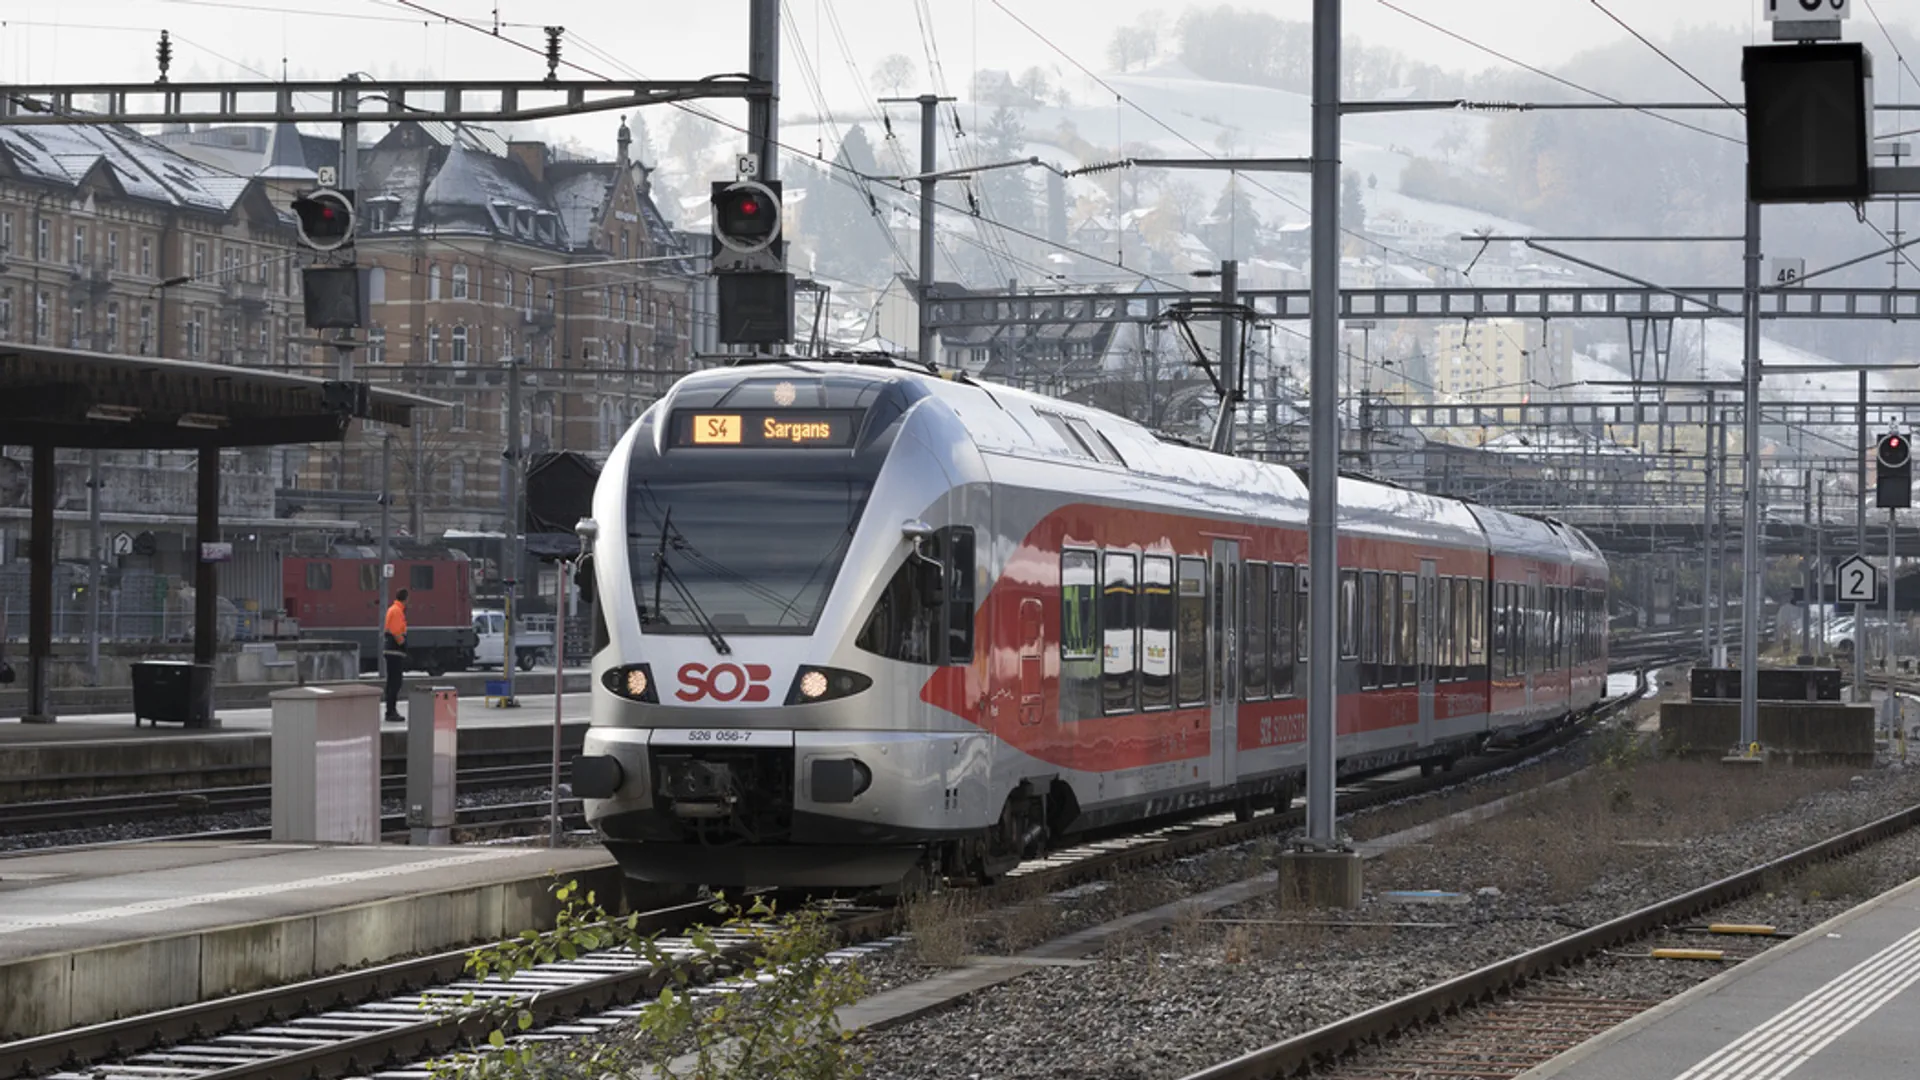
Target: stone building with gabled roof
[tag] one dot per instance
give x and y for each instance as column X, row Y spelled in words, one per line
column 484, row 249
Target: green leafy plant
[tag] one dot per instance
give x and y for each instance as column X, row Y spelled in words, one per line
column 780, row 1023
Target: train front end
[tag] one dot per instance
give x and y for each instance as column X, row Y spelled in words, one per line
column 769, row 537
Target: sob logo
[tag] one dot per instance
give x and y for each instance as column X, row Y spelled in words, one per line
column 724, row 682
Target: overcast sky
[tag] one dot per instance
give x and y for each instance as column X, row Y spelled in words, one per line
column 113, row 40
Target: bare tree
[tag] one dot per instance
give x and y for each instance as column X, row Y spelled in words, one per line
column 1034, row 83
column 1130, row 47
column 1184, row 199
column 893, row 74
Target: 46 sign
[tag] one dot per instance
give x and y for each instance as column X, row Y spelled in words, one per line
column 1806, row 10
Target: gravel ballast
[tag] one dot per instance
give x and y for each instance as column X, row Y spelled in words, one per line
column 1168, row 1003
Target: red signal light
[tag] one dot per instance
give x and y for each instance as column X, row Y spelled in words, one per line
column 749, row 207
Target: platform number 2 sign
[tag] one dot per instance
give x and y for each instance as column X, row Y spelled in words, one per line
column 1857, row 581
column 1805, row 10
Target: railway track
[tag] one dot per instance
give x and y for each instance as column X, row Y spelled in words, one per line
column 355, row 1022
column 1504, row 1018
column 106, row 811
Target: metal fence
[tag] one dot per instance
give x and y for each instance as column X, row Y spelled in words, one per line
column 142, row 607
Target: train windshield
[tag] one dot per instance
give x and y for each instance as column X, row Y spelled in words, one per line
column 753, row 555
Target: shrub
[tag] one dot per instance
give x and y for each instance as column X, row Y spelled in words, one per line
column 784, row 1026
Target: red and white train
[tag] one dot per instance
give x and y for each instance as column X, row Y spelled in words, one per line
column 860, row 624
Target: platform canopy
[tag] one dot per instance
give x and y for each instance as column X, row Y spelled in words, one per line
column 75, row 399
column 71, row 399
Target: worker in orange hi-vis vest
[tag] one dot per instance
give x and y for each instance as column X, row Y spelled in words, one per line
column 394, row 652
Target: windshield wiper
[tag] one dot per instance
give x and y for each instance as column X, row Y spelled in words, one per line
column 663, row 570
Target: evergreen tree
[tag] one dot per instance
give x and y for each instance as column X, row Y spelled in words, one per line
column 1234, row 229
column 1009, row 192
column 1353, row 206
column 849, row 240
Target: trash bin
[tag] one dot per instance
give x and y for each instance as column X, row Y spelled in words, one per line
column 174, row 691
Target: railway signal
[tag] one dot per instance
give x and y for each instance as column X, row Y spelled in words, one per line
column 1894, row 473
column 325, row 219
column 749, row 258
column 746, row 227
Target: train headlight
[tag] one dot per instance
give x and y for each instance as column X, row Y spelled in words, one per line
column 812, row 685
column 633, row 682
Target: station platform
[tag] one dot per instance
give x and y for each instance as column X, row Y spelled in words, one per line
column 1837, row 1001
column 90, row 936
column 106, row 754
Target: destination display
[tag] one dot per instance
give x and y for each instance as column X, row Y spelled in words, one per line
column 764, row 429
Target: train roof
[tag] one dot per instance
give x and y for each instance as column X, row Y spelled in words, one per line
column 1008, row 420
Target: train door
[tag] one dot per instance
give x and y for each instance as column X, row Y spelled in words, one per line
column 1223, row 636
column 1428, row 647
column 1032, row 661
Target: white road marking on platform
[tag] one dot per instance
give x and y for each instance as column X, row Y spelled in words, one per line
column 172, row 903
column 1793, row 1036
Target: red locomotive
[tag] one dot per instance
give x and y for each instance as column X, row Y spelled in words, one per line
column 337, row 596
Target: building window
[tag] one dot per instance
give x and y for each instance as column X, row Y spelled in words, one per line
column 460, row 282
column 6, row 231
column 459, row 344
column 433, row 345
column 377, row 344
column 529, row 293
column 459, row 418
column 377, row 285
column 113, row 250
column 606, row 302
column 506, row 281
column 6, row 311
column 146, row 328
column 42, row 239
column 433, row 281
column 77, row 323
column 41, row 303
column 457, row 478
column 146, row 256
column 113, row 326
column 199, row 258
column 196, row 334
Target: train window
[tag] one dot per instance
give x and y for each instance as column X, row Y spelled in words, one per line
column 1119, row 691
column 1477, row 629
column 320, row 576
column 1067, row 434
column 1462, row 629
column 369, row 577
column 1282, row 652
column 1253, row 634
column 1409, row 626
column 1302, row 612
column 1110, row 448
column 1349, row 614
column 1156, row 632
column 420, row 576
column 959, row 594
column 1079, row 626
column 1389, row 628
column 1193, row 632
column 925, row 614
column 1096, row 444
column 1442, row 615
column 1499, row 629
column 1369, row 622
column 1537, row 647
